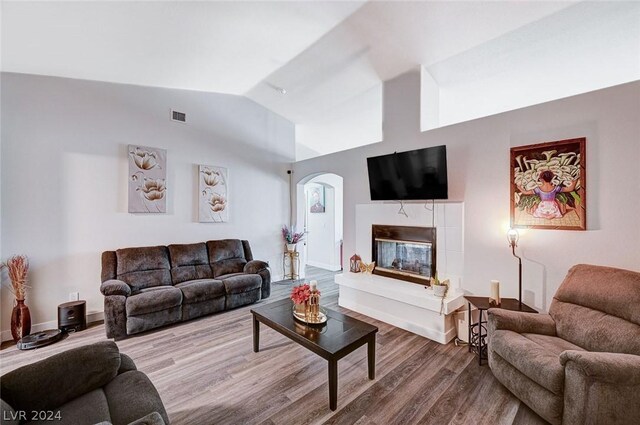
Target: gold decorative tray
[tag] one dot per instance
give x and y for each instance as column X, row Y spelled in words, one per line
column 322, row 318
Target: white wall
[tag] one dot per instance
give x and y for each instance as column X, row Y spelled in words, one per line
column 429, row 101
column 64, row 177
column 355, row 122
column 325, row 229
column 478, row 159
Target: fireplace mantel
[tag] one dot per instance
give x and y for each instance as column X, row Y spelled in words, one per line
column 400, row 303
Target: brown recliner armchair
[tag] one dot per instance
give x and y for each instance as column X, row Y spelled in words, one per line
column 580, row 364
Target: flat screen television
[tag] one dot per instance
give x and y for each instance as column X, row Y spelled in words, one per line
column 413, row 175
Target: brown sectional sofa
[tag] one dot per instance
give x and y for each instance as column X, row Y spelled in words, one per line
column 580, row 364
column 149, row 287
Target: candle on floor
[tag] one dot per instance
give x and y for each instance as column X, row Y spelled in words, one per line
column 495, row 292
column 313, row 284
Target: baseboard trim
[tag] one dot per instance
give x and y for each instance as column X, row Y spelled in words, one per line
column 97, row 316
column 330, row 267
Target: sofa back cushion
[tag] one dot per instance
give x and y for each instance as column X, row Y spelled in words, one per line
column 596, row 308
column 189, row 262
column 226, row 256
column 144, row 267
column 109, row 266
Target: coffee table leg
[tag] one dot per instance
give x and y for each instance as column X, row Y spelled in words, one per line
column 371, row 357
column 333, row 384
column 256, row 335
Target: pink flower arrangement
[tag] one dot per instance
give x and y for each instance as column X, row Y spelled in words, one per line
column 300, row 294
column 290, row 235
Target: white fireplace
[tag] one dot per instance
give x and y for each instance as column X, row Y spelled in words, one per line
column 405, row 304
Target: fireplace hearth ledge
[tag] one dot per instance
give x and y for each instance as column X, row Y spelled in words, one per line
column 403, row 304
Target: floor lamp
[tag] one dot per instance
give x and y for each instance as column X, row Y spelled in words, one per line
column 513, row 236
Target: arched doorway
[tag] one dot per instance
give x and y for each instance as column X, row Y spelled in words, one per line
column 319, row 212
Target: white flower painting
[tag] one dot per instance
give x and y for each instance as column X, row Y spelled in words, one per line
column 213, row 195
column 147, row 179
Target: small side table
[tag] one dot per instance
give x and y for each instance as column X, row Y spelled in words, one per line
column 478, row 331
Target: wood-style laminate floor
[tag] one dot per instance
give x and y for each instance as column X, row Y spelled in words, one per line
column 207, row 373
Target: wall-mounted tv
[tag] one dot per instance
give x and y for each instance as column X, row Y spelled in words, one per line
column 413, row 175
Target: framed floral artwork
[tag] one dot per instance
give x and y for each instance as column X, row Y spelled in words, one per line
column 548, row 185
column 213, row 194
column 147, row 179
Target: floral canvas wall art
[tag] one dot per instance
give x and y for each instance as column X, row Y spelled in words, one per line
column 147, row 179
column 548, row 185
column 213, row 206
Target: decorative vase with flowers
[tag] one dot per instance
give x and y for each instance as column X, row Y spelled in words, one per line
column 17, row 267
column 291, row 237
column 300, row 295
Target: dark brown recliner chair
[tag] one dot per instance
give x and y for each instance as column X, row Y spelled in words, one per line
column 92, row 384
column 580, row 364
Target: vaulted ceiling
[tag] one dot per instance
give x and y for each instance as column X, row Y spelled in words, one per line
column 323, row 54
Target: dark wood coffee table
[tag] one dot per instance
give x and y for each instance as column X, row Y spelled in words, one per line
column 338, row 337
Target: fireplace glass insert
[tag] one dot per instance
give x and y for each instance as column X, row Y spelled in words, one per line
column 407, row 258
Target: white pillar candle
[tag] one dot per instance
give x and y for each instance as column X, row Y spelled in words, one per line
column 313, row 285
column 495, row 291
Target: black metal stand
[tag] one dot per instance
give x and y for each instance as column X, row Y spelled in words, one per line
column 513, row 250
column 477, row 337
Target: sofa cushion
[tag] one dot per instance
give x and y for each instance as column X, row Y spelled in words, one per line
column 152, row 418
column 144, row 267
column 194, row 291
column 227, row 276
column 154, row 299
column 607, row 289
column 226, row 256
column 240, row 283
column 595, row 330
column 605, row 300
column 189, row 262
column 535, row 356
column 545, row 403
column 89, row 408
column 131, row 396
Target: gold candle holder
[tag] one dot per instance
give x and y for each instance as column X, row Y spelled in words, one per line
column 313, row 312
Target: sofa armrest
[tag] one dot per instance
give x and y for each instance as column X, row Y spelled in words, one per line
column 601, row 388
column 520, row 322
column 126, row 364
column 255, row 266
column 115, row 287
column 614, row 368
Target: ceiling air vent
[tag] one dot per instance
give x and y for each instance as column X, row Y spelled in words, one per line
column 178, row 116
